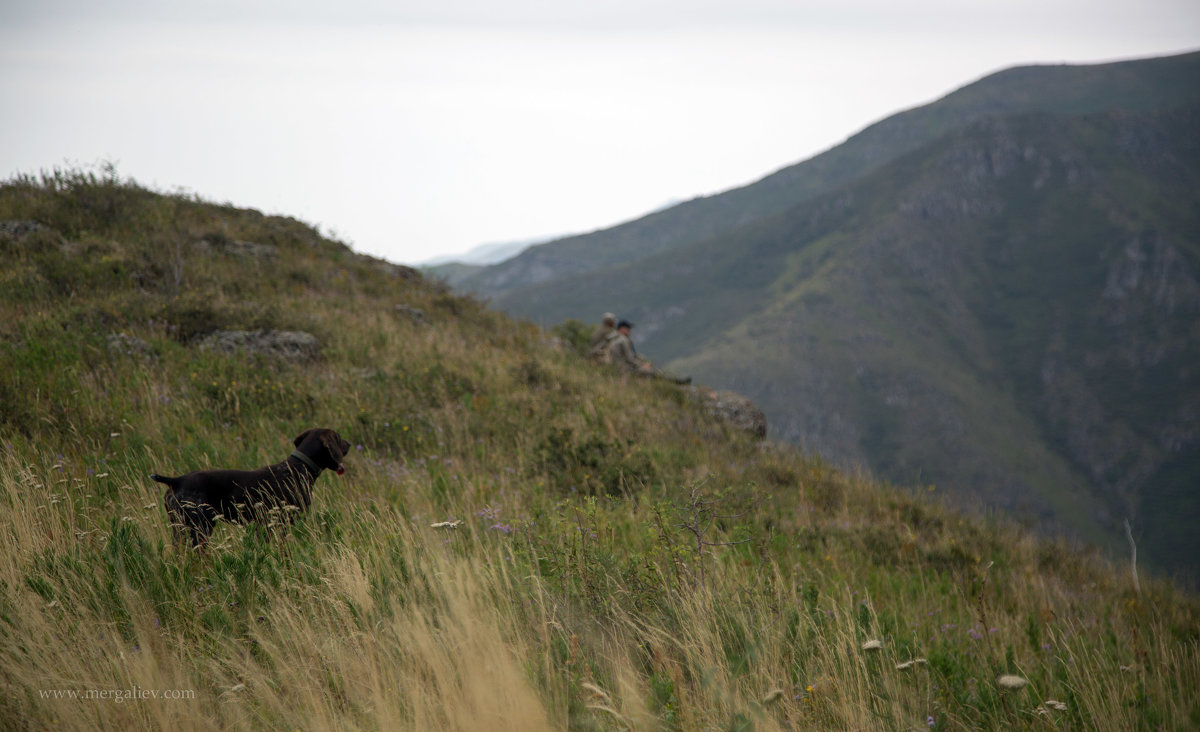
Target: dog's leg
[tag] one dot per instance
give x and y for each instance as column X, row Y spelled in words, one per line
column 201, row 530
column 189, row 521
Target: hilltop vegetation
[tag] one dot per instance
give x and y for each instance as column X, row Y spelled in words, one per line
column 619, row 561
column 997, row 293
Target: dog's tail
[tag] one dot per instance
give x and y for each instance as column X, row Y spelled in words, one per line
column 164, row 479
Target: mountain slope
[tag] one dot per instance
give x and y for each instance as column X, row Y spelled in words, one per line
column 522, row 540
column 1010, row 313
column 1047, row 365
column 1007, row 311
column 1139, row 85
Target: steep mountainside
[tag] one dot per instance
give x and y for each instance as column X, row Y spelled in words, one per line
column 1019, row 323
column 1139, row 85
column 1008, row 311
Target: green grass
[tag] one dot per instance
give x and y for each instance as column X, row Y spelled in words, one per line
column 1006, row 309
column 622, row 562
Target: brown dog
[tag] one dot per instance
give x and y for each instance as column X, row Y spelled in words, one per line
column 195, row 500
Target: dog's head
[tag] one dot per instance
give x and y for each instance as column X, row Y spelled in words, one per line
column 325, row 447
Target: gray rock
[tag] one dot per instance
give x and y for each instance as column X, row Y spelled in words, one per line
column 15, row 229
column 283, row 344
column 29, row 236
column 252, row 250
column 217, row 241
column 731, row 408
column 122, row 344
column 416, row 315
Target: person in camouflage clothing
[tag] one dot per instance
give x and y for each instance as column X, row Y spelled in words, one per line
column 601, row 337
column 625, row 357
column 621, row 351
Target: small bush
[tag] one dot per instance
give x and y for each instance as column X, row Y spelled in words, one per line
column 575, row 335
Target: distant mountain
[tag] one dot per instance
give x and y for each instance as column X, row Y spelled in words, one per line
column 488, row 253
column 996, row 294
column 1135, row 86
column 452, row 273
column 454, row 269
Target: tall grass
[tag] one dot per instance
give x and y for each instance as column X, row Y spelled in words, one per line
column 620, row 561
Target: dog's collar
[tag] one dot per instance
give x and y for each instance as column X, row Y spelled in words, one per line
column 306, row 460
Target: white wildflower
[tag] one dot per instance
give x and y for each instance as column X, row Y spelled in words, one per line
column 872, row 645
column 1011, row 681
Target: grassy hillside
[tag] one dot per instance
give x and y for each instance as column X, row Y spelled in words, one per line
column 620, row 561
column 1008, row 311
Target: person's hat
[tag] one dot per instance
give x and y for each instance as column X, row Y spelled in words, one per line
column 607, row 317
column 624, row 324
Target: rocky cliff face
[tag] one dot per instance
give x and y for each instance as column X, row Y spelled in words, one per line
column 1148, row 308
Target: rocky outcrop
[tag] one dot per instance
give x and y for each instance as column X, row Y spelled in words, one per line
column 19, row 229
column 416, row 315
column 282, row 344
column 28, row 235
column 216, row 241
column 123, row 344
column 732, row 409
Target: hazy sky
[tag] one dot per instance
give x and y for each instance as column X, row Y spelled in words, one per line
column 411, row 129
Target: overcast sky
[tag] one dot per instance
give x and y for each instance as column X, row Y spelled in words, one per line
column 412, row 129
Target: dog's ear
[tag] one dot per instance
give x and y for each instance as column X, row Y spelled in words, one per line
column 334, row 443
column 300, row 437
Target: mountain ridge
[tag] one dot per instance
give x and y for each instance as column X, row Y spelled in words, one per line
column 1076, row 88
column 1027, row 318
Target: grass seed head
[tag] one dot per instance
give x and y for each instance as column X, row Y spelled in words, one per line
column 1011, row 681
